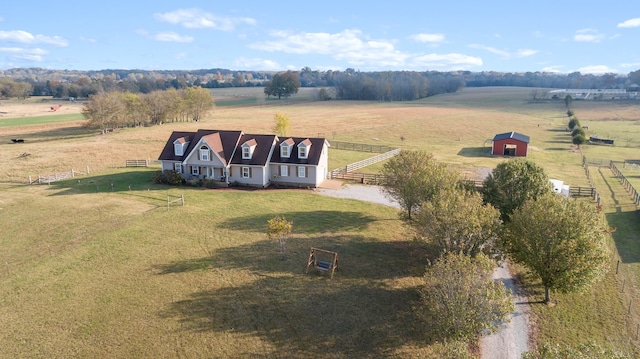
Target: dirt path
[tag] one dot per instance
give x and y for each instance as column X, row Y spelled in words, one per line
column 512, row 339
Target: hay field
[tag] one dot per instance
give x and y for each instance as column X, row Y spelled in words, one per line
column 457, row 128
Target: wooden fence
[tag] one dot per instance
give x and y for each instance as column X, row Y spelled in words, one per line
column 361, row 147
column 174, row 199
column 347, row 172
column 136, row 163
column 57, row 176
column 627, row 185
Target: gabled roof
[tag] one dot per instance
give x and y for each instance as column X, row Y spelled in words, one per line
column 168, row 153
column 514, row 135
column 261, row 153
column 222, row 142
column 317, row 144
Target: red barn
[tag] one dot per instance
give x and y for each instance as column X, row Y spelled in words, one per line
column 510, row 144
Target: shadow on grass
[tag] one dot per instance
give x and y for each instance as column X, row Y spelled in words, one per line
column 358, row 258
column 130, row 180
column 353, row 315
column 304, row 222
column 303, row 317
column 627, row 234
column 556, row 149
column 475, row 152
column 66, row 133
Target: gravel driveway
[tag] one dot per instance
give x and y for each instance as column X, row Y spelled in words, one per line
column 365, row 193
column 512, row 339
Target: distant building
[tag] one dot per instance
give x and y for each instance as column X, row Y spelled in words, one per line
column 510, row 144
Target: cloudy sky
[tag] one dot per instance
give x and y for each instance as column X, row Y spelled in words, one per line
column 513, row 36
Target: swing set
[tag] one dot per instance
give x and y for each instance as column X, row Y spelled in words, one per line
column 322, row 260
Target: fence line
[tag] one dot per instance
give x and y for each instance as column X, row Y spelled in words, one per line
column 136, row 163
column 625, row 183
column 347, row 173
column 361, row 147
column 57, row 176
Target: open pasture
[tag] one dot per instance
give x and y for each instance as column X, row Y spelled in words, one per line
column 88, row 269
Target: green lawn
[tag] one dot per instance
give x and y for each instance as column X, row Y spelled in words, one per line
column 39, row 120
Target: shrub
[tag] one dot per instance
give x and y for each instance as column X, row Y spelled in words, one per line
column 573, row 123
column 169, row 177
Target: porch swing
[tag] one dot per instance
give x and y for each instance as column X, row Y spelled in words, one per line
column 323, row 260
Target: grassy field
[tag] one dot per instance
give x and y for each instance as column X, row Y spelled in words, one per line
column 97, row 266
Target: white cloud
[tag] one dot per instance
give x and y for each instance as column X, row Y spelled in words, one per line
column 588, row 35
column 28, row 38
column 17, row 53
column 492, row 50
column 197, row 19
column 552, row 69
column 525, row 52
column 257, row 64
column 631, row 64
column 88, row 39
column 445, row 62
column 347, row 45
column 428, row 38
column 597, row 69
column 630, row 23
column 172, row 37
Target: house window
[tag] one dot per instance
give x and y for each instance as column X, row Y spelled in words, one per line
column 204, row 153
column 246, row 172
column 284, row 151
column 177, row 167
column 195, row 170
column 246, row 153
column 284, row 171
column 177, row 148
column 302, row 171
column 302, row 152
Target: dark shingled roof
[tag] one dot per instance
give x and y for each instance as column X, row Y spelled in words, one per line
column 260, row 153
column 224, row 143
column 516, row 136
column 313, row 157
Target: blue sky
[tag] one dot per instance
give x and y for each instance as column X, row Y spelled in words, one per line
column 514, row 36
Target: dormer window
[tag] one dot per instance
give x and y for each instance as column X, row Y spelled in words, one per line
column 248, row 148
column 285, row 148
column 303, row 149
column 179, row 145
column 204, row 153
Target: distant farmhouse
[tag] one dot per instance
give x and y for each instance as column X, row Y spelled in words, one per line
column 596, row 94
column 247, row 159
column 510, row 144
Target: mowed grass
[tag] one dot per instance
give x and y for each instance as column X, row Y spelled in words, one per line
column 38, row 120
column 93, row 270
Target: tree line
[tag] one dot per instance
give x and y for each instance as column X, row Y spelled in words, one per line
column 110, row 110
column 351, row 84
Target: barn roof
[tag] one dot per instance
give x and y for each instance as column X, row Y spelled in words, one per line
column 515, row 135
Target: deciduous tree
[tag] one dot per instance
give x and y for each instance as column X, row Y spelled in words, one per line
column 512, row 183
column 279, row 228
column 458, row 221
column 413, row 177
column 282, row 125
column 559, row 240
column 460, row 298
column 285, row 84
